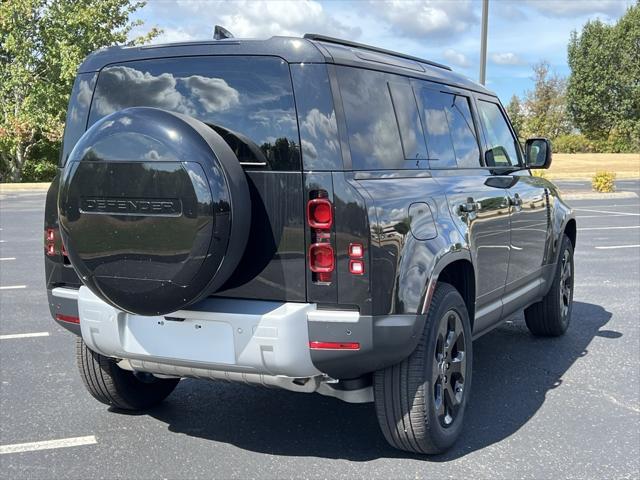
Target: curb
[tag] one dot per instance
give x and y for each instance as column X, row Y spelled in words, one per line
column 17, row 187
column 597, row 195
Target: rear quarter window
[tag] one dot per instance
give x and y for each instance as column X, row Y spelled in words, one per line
column 451, row 136
column 247, row 100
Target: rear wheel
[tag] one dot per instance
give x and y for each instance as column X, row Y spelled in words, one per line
column 111, row 385
column 550, row 317
column 420, row 402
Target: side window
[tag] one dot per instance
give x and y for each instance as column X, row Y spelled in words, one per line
column 247, row 100
column 502, row 147
column 451, row 137
column 463, row 134
column 372, row 128
column 408, row 117
column 316, row 117
column 441, row 154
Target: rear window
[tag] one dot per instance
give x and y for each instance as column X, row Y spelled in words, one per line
column 247, row 100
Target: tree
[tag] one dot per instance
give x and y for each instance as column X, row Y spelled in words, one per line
column 42, row 43
column 516, row 114
column 545, row 105
column 603, row 91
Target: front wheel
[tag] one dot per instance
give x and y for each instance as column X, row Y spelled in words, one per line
column 550, row 316
column 420, row 402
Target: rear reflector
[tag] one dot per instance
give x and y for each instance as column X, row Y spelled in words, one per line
column 334, row 345
column 67, row 318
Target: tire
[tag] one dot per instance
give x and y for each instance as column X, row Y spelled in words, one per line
column 550, row 317
column 407, row 395
column 116, row 387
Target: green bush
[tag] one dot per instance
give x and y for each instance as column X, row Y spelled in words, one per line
column 39, row 171
column 573, row 143
column 603, row 182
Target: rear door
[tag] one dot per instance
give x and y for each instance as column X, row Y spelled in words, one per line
column 477, row 197
column 528, row 199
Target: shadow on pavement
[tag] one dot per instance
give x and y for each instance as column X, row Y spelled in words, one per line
column 512, row 373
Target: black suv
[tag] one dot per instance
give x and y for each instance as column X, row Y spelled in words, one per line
column 305, row 213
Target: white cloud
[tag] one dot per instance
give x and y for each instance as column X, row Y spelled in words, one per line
column 506, row 58
column 248, row 19
column 456, row 58
column 213, row 93
column 426, row 18
column 572, row 8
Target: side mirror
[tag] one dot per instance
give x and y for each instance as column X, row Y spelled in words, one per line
column 537, row 153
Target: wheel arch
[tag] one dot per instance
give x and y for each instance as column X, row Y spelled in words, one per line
column 457, row 270
column 570, row 229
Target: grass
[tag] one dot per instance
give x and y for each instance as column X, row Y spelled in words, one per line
column 583, row 166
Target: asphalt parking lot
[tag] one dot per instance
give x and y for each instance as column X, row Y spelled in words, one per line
column 540, row 408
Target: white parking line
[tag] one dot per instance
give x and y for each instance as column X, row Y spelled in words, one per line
column 625, row 214
column 610, row 247
column 48, row 444
column 610, row 228
column 13, row 287
column 5, row 259
column 24, row 335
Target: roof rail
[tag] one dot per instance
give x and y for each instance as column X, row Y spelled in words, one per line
column 324, row 38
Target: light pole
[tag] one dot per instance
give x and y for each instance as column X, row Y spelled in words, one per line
column 483, row 41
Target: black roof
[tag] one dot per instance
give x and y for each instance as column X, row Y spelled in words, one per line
column 313, row 48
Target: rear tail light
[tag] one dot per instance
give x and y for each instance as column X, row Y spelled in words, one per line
column 321, row 258
column 356, row 254
column 320, row 213
column 320, row 221
column 356, row 267
column 50, row 242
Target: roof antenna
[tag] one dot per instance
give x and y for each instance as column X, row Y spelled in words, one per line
column 220, row 33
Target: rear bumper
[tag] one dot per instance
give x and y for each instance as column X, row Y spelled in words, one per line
column 240, row 336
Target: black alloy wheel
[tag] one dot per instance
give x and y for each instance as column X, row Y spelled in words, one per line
column 449, row 368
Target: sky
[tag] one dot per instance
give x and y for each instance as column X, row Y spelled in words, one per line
column 520, row 34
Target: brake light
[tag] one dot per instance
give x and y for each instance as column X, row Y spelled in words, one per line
column 320, row 220
column 334, row 345
column 320, row 213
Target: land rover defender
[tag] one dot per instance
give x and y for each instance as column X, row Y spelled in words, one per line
column 305, row 213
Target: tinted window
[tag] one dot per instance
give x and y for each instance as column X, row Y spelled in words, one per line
column 248, row 100
column 439, row 143
column 316, row 117
column 374, row 139
column 502, row 147
column 77, row 113
column 463, row 134
column 408, row 118
column 451, row 137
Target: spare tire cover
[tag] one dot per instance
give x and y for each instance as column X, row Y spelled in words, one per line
column 154, row 210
